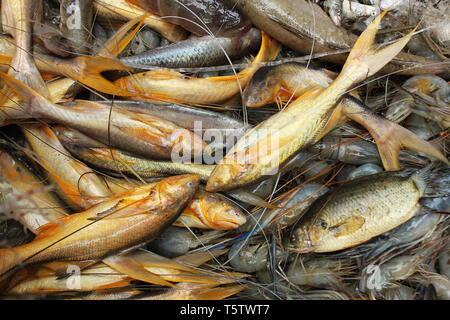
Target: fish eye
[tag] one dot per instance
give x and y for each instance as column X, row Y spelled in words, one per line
column 190, row 184
column 323, row 224
column 212, row 7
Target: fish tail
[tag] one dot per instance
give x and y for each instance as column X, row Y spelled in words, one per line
column 389, row 136
column 432, row 180
column 32, row 99
column 218, row 293
column 114, row 46
column 363, row 60
column 422, row 178
column 87, row 70
column 269, row 49
column 395, row 137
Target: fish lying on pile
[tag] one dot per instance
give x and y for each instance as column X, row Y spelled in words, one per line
column 123, row 151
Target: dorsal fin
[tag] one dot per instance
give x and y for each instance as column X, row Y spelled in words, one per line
column 52, row 228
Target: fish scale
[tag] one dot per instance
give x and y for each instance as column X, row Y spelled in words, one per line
column 139, row 215
column 201, row 52
column 358, row 211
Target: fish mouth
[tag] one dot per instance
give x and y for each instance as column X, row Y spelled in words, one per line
column 227, row 224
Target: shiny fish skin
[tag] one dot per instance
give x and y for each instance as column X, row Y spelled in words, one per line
column 294, row 24
column 287, row 80
column 99, row 155
column 168, row 86
column 182, row 115
column 311, row 116
column 306, row 120
column 122, row 222
column 120, row 10
column 140, row 133
column 210, row 211
column 358, row 211
column 201, row 52
column 77, row 184
column 200, row 17
column 211, row 125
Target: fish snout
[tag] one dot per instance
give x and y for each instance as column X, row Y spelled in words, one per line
column 299, row 241
column 220, row 178
column 182, row 184
column 230, row 219
column 259, row 94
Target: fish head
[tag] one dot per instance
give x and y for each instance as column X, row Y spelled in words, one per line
column 227, row 175
column 262, row 89
column 64, row 134
column 220, row 213
column 178, row 188
column 301, row 240
column 200, row 16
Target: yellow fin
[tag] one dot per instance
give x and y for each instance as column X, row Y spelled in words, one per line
column 218, row 293
column 350, row 225
column 165, row 75
column 115, row 45
column 131, row 268
column 199, row 258
column 363, row 60
column 51, row 228
column 389, row 136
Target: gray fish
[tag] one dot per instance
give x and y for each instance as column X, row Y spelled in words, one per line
column 197, row 52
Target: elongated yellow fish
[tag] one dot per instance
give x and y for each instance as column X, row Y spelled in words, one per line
column 119, row 223
column 273, row 142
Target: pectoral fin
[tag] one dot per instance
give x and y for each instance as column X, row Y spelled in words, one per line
column 218, row 293
column 133, row 269
column 199, row 258
column 150, row 259
column 348, row 226
column 121, row 39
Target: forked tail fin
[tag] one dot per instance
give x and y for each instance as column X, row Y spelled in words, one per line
column 363, row 60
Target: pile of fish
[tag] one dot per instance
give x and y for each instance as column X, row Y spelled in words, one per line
column 239, row 149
